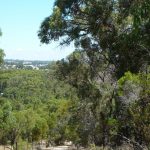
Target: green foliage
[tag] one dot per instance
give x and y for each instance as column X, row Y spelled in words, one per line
column 1, row 52
column 134, row 106
column 118, row 30
column 93, row 109
column 33, row 106
column 103, row 111
column 128, row 77
column 128, row 81
column 112, row 41
column 40, row 129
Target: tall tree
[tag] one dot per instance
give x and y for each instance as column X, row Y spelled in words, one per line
column 110, row 36
column 119, row 30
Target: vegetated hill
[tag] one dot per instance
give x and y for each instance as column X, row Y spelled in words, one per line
column 34, row 105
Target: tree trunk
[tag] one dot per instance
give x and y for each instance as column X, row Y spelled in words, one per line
column 16, row 145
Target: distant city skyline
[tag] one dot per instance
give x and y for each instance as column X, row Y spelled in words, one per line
column 20, row 22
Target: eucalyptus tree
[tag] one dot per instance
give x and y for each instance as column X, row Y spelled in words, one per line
column 118, row 30
column 111, row 38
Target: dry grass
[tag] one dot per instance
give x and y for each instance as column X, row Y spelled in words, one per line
column 4, row 148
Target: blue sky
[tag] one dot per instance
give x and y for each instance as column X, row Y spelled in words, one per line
column 19, row 22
